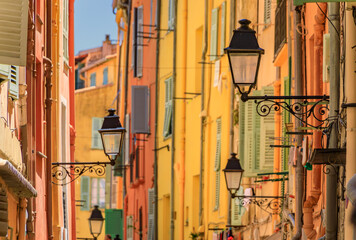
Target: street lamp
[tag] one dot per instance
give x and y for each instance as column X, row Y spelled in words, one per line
column 233, row 174
column 244, row 55
column 112, row 135
column 96, row 221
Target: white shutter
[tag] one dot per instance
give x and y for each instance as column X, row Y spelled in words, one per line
column 139, row 40
column 13, row 32
column 151, row 210
column 4, row 71
column 129, row 228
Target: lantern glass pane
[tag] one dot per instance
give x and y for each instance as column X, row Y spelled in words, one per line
column 244, row 67
column 233, row 180
column 112, row 142
column 96, row 226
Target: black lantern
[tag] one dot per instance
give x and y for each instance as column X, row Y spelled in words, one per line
column 96, row 221
column 244, row 56
column 112, row 135
column 233, row 174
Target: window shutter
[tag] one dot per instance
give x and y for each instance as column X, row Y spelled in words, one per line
column 151, row 209
column 168, row 108
column 13, row 32
column 84, row 193
column 237, row 210
column 139, row 42
column 248, row 151
column 285, row 120
column 242, row 130
column 140, row 107
column 267, row 11
column 105, row 76
column 134, row 41
column 217, row 163
column 118, row 167
column 214, row 33
column 223, row 28
column 93, row 79
column 170, row 14
column 129, row 228
column 267, row 135
column 14, row 82
column 95, row 135
column 127, row 139
column 4, row 72
column 65, row 29
column 256, row 150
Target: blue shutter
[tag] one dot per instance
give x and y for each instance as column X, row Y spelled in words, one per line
column 105, row 76
column 93, row 79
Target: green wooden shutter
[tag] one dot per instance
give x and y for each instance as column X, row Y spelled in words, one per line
column 4, row 72
column 118, row 167
column 171, row 14
column 127, row 140
column 84, row 193
column 129, row 227
column 14, row 82
column 114, row 222
column 151, row 206
column 105, row 76
column 214, row 33
column 217, row 163
column 93, row 80
column 223, row 28
column 248, row 146
column 267, row 135
column 242, row 131
column 256, row 147
column 285, row 120
column 267, row 11
column 237, row 210
column 168, row 108
column 95, row 135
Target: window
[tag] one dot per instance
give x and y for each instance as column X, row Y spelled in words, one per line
column 258, row 133
column 65, row 30
column 171, row 14
column 217, row 163
column 93, row 79
column 129, row 227
column 218, row 31
column 14, row 82
column 96, row 142
column 214, row 33
column 167, row 128
column 140, row 109
column 98, row 192
column 105, row 76
column 280, row 27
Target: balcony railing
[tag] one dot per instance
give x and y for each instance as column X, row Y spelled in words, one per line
column 280, row 32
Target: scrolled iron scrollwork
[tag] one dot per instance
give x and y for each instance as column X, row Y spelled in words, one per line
column 267, row 204
column 300, row 110
column 65, row 174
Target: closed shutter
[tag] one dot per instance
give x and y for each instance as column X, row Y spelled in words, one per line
column 151, row 211
column 242, row 131
column 237, row 210
column 223, row 28
column 96, row 142
column 105, row 76
column 127, row 139
column 267, row 135
column 140, row 109
column 84, row 193
column 214, row 33
column 4, row 72
column 256, row 145
column 93, row 79
column 118, row 167
column 217, row 163
column 171, row 14
column 14, row 82
column 134, row 41
column 267, row 11
column 65, row 29
column 248, row 146
column 13, row 32
column 139, row 40
column 167, row 130
column 129, row 228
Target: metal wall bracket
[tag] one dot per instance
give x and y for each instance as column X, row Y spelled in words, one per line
column 270, row 204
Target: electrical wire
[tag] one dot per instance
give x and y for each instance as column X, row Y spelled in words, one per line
column 329, row 20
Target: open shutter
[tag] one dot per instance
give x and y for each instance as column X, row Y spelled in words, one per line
column 127, row 139
column 285, row 120
column 140, row 105
column 65, row 29
column 214, row 33
column 237, row 209
column 139, row 42
column 13, row 32
column 168, row 108
column 170, row 14
column 248, row 146
column 267, row 135
column 217, row 163
column 242, row 130
column 256, row 145
column 84, row 193
column 151, row 206
column 14, row 82
column 267, row 11
column 223, row 28
column 95, row 135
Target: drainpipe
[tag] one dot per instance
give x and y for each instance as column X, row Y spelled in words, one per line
column 331, row 178
column 174, row 83
column 313, row 199
column 158, row 21
column 22, row 218
column 202, row 118
column 350, row 86
column 48, row 78
column 299, row 179
column 183, row 116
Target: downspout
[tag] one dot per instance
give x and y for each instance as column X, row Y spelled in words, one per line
column 72, row 108
column 158, row 21
column 183, row 116
column 22, row 218
column 48, row 77
column 174, row 77
column 312, row 200
column 331, row 178
column 350, row 86
column 202, row 118
column 298, row 84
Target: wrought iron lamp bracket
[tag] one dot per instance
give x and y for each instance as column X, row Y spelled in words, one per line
column 64, row 173
column 270, row 204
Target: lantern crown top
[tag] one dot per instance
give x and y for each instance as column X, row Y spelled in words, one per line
column 111, row 112
column 233, row 164
column 244, row 24
column 111, row 121
column 96, row 213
